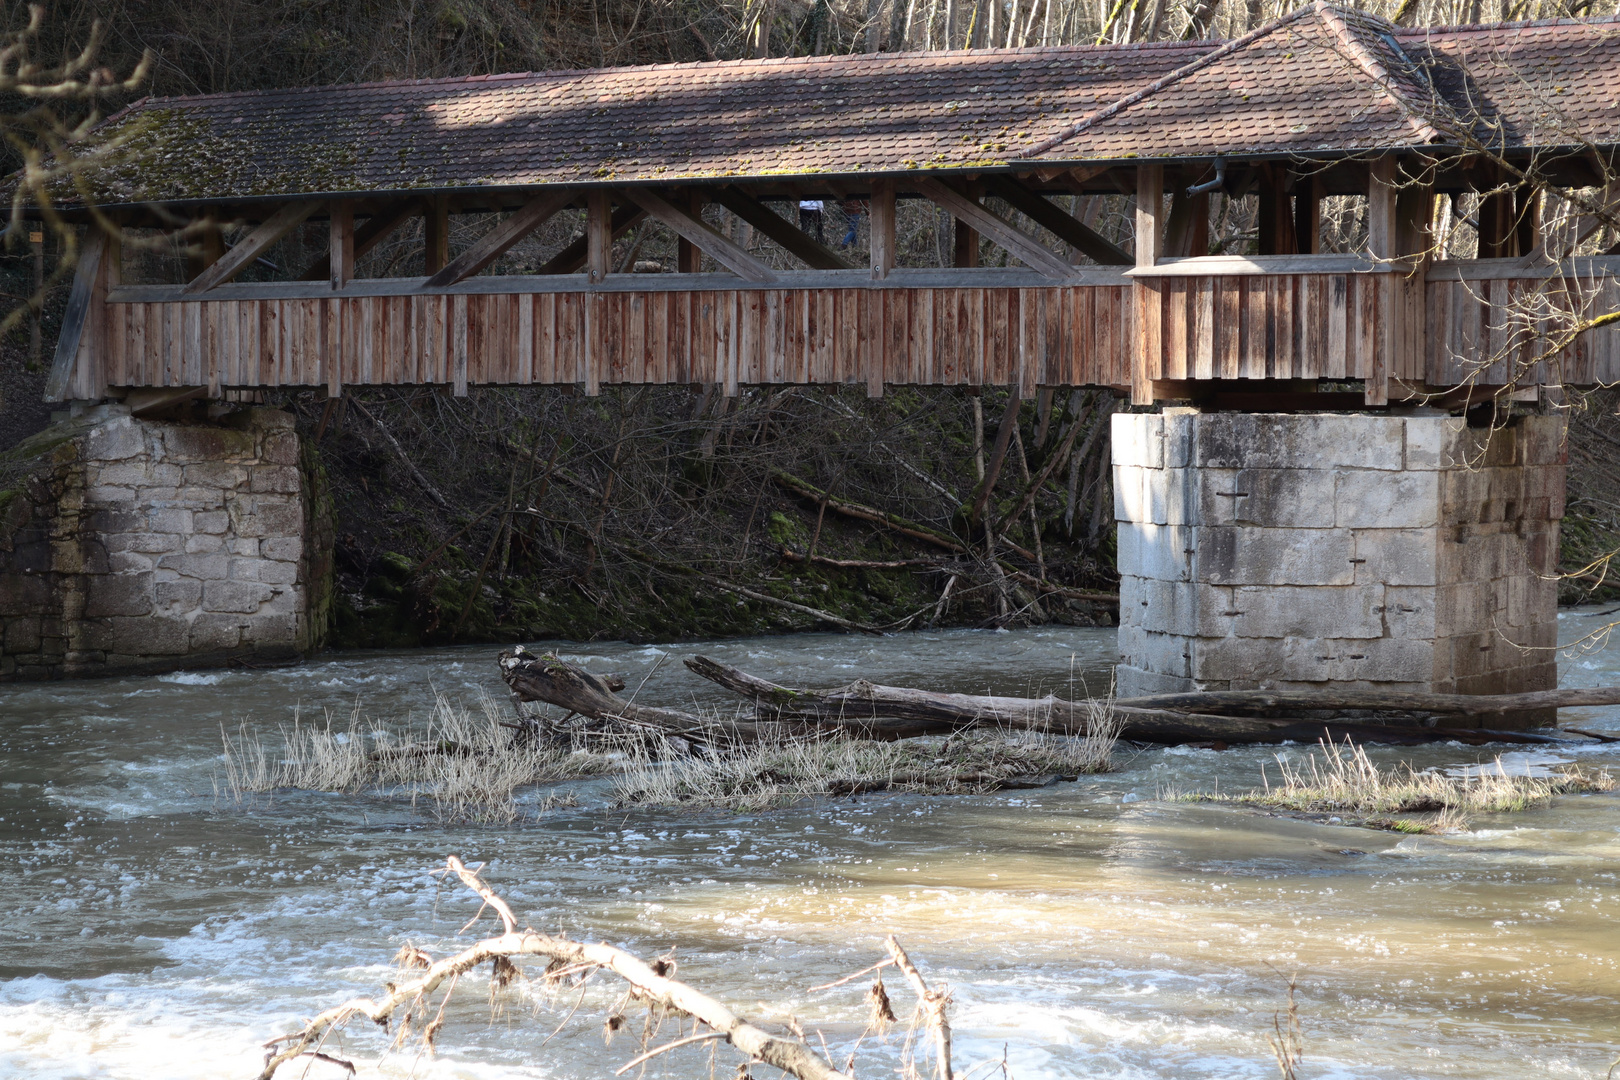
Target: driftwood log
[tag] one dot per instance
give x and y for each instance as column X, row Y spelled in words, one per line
column 869, row 710
column 1261, row 702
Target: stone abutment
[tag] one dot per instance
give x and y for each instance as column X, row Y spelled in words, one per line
column 137, row 546
column 1272, row 551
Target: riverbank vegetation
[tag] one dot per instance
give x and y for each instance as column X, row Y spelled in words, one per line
column 658, row 514
column 489, row 765
column 1342, row 781
column 459, row 763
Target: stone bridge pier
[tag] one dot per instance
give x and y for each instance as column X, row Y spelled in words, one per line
column 137, row 546
column 1278, row 551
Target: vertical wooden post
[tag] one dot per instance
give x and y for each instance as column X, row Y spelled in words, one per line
column 688, row 257
column 340, row 257
column 882, row 228
column 1149, row 214
column 436, row 234
column 965, row 242
column 1187, row 233
column 598, row 262
column 1308, row 215
column 1146, row 357
column 1526, row 220
column 1382, row 244
column 1268, row 237
column 340, row 271
column 207, row 248
column 1495, row 218
column 1381, row 198
column 1277, row 229
column 882, row 244
column 598, row 235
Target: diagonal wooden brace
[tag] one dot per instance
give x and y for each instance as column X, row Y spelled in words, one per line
column 726, row 252
column 78, row 316
column 1003, row 232
column 236, row 260
column 780, row 230
column 499, row 240
column 1065, row 227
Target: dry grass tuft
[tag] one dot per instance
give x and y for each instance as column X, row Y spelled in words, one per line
column 1343, row 780
column 464, row 763
column 785, row 769
column 469, row 765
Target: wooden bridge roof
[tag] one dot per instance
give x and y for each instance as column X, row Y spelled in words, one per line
column 1323, row 81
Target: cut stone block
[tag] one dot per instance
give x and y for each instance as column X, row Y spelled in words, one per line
column 1300, row 550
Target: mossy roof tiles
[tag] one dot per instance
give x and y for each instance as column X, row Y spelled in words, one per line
column 1323, row 80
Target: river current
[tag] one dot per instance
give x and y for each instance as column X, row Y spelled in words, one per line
column 153, row 928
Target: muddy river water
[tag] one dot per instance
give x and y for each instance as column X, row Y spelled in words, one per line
column 149, row 928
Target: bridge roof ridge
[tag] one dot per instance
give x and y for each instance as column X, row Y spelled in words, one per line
column 1323, row 80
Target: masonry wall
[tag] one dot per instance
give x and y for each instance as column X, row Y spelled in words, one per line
column 140, row 546
column 1290, row 551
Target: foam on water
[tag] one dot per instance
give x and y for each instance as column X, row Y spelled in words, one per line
column 1086, row 928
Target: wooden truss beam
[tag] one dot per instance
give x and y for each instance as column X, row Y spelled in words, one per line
column 571, row 258
column 1003, row 232
column 237, row 259
column 780, row 230
column 726, row 252
column 373, row 232
column 500, row 239
column 1071, row 231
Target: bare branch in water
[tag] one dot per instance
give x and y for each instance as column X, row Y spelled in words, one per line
column 649, row 984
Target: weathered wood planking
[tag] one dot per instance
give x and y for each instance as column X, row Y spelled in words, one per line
column 1061, row 335
column 1265, row 326
column 1450, row 330
column 1501, row 330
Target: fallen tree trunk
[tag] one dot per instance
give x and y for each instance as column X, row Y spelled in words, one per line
column 1261, row 701
column 866, row 701
column 545, row 678
column 867, row 710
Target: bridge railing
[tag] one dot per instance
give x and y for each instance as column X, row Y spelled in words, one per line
column 1490, row 322
column 819, row 327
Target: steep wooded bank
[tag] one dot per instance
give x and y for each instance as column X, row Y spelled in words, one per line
column 663, row 513
column 1591, row 528
column 672, row 512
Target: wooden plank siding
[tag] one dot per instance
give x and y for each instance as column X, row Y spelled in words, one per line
column 1488, row 321
column 1265, row 326
column 1499, row 330
column 1062, row 335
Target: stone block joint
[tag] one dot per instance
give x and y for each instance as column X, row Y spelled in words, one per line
column 1290, row 551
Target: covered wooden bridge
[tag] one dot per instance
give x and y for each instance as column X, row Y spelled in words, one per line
column 1325, row 107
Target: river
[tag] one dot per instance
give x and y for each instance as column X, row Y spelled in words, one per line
column 155, row 929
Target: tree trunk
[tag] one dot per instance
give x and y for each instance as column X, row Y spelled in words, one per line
column 867, row 710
